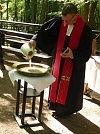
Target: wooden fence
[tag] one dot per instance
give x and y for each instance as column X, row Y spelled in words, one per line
column 30, row 28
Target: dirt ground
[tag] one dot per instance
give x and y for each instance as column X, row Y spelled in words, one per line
column 86, row 121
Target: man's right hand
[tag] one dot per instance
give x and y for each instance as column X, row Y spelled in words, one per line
column 32, row 43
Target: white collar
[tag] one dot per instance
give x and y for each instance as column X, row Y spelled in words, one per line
column 69, row 30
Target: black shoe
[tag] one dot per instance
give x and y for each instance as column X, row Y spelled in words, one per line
column 2, row 67
column 56, row 116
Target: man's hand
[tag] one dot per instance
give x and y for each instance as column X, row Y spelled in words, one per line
column 32, row 43
column 68, row 54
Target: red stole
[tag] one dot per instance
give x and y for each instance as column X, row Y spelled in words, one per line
column 60, row 97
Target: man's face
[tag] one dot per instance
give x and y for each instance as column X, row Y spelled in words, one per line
column 69, row 18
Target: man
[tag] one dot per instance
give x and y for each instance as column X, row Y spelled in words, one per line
column 71, row 32
column 2, row 67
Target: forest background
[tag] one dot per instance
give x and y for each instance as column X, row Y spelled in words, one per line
column 39, row 11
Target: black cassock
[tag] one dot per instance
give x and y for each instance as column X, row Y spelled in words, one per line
column 46, row 39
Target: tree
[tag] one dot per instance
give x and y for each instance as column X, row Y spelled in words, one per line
column 42, row 17
column 89, row 10
column 33, row 10
column 27, row 11
column 39, row 11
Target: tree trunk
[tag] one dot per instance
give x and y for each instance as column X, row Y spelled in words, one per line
column 86, row 11
column 92, row 10
column 15, row 17
column 43, row 11
column 27, row 8
column 33, row 10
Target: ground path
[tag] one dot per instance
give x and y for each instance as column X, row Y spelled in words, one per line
column 87, row 121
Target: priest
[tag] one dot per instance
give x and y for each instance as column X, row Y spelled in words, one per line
column 69, row 40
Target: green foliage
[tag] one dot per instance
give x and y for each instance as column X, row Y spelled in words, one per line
column 17, row 10
column 13, row 5
column 97, row 18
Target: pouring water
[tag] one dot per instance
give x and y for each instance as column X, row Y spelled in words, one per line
column 28, row 52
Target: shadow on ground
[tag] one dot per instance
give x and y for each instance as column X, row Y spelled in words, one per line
column 86, row 121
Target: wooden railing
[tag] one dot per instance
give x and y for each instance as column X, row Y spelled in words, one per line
column 17, row 33
column 19, row 26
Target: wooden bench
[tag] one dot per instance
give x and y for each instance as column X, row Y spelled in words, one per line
column 14, row 39
column 36, row 58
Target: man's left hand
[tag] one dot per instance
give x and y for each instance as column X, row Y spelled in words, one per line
column 68, row 54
